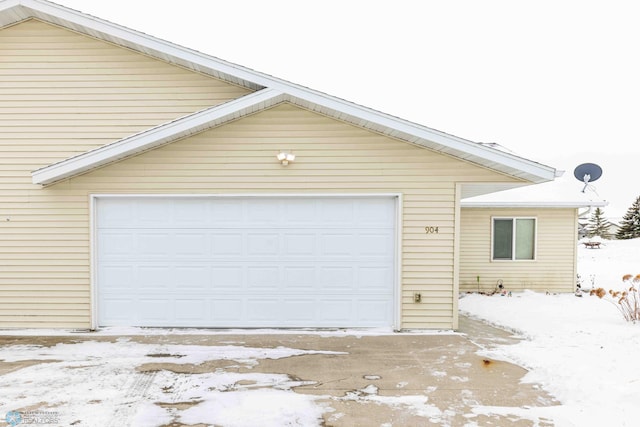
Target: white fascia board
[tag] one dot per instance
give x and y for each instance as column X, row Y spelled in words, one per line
column 96, row 26
column 532, row 204
column 464, row 148
column 153, row 137
column 8, row 4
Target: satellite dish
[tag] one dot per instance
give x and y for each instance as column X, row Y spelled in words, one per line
column 587, row 172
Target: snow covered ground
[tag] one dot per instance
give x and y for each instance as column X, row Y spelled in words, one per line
column 580, row 349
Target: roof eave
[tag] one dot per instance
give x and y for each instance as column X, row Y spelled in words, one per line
column 533, row 204
column 156, row 137
column 19, row 10
column 441, row 142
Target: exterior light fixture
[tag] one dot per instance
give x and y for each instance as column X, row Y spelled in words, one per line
column 285, row 158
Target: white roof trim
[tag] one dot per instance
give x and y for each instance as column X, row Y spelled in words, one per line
column 18, row 10
column 156, row 136
column 12, row 11
column 424, row 136
column 532, row 204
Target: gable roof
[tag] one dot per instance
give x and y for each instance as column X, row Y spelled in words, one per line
column 270, row 90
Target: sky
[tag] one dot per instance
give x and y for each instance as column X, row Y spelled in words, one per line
column 557, row 82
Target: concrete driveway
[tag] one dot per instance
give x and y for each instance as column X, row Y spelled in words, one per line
column 293, row 378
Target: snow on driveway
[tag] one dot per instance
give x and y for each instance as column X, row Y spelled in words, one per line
column 124, row 382
column 83, row 384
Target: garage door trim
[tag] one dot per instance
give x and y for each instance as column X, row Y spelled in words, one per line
column 93, row 198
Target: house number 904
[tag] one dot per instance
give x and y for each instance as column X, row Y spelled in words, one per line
column 431, row 230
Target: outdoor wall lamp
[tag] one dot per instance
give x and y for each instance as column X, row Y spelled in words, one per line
column 285, row 158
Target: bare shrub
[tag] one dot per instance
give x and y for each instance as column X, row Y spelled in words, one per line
column 626, row 300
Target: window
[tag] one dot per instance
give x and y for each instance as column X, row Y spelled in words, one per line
column 514, row 238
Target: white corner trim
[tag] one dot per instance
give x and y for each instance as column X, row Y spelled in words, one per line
column 152, row 138
column 93, row 274
column 398, row 284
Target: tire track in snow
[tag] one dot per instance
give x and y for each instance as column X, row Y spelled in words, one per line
column 134, row 395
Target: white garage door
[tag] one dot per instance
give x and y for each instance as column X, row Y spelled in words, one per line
column 245, row 262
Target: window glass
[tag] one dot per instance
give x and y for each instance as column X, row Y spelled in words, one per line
column 525, row 236
column 502, row 238
column 514, row 238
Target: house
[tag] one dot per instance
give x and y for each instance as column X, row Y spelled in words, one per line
column 523, row 238
column 147, row 184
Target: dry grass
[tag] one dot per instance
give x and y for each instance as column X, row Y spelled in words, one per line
column 627, row 300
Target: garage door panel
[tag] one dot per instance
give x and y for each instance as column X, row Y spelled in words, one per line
column 191, row 245
column 196, row 278
column 337, row 278
column 153, row 278
column 373, row 312
column 115, row 245
column 118, row 310
column 374, row 244
column 263, row 212
column 116, row 213
column 191, row 310
column 153, row 213
column 300, row 212
column 154, row 244
column 299, row 244
column 336, row 244
column 153, row 310
column 229, row 244
column 338, row 211
column 260, row 244
column 375, row 212
column 227, row 277
column 117, row 276
column 262, row 278
column 299, row 279
column 263, row 311
column 374, row 277
column 300, row 310
column 190, row 213
column 335, row 311
column 227, row 311
column 251, row 262
column 228, row 211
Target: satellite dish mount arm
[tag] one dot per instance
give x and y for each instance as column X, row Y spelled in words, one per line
column 586, row 180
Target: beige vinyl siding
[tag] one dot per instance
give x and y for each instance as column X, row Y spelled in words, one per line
column 62, row 93
column 240, row 158
column 554, row 268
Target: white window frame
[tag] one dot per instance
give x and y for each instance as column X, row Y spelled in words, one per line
column 514, row 237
